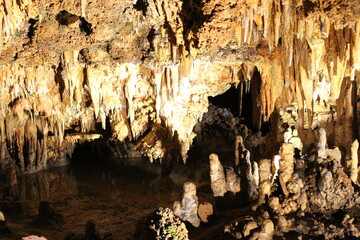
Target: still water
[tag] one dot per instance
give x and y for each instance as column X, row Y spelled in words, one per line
column 115, row 197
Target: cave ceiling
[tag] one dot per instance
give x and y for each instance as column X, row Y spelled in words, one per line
column 68, row 67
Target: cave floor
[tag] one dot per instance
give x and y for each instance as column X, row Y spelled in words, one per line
column 116, row 198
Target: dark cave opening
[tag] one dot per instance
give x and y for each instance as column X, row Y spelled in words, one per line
column 229, row 99
column 239, row 100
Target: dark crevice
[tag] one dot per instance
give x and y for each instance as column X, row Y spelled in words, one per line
column 309, row 7
column 66, row 18
column 150, row 37
column 85, row 26
column 141, row 5
column 84, row 56
column 229, row 99
column 59, row 80
column 32, row 28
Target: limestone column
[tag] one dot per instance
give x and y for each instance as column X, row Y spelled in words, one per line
column 239, row 148
column 321, row 144
column 265, row 181
column 232, row 181
column 286, row 165
column 252, row 187
column 189, row 205
column 354, row 161
column 217, row 176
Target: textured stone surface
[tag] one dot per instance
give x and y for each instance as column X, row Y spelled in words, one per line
column 74, row 66
column 217, row 176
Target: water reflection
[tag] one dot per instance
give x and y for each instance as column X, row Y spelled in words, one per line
column 47, row 184
column 95, row 178
column 115, row 196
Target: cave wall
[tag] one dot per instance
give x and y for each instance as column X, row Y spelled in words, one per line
column 69, row 66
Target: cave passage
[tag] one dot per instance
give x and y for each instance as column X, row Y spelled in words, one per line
column 239, row 100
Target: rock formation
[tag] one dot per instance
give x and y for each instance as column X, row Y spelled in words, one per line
column 71, row 68
column 232, row 181
column 286, row 167
column 165, row 225
column 141, row 72
column 204, row 211
column 265, row 181
column 33, row 237
column 354, row 161
column 321, row 144
column 217, row 176
column 187, row 210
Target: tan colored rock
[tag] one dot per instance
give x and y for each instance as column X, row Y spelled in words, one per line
column 265, row 181
column 266, row 232
column 149, row 64
column 283, row 224
column 2, row 218
column 232, row 181
column 326, row 180
column 248, row 227
column 256, row 176
column 251, row 181
column 354, row 161
column 287, row 135
column 265, row 169
column 239, row 147
column 189, row 205
column 321, row 144
column 162, row 219
column 204, row 211
column 334, row 154
column 217, row 176
column 295, row 140
column 33, row 237
column 286, row 168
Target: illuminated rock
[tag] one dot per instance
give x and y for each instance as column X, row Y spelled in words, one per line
column 354, row 161
column 217, row 176
column 286, row 167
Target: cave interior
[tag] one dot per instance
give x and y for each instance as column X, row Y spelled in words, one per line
column 179, row 119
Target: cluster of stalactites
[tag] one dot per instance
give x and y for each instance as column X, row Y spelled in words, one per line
column 51, row 99
column 313, row 65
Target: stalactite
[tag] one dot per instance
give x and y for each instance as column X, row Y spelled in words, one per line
column 310, row 55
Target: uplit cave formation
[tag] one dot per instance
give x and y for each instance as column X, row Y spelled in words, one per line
column 179, row 119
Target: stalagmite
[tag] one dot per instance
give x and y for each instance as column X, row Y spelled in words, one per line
column 232, row 181
column 217, row 176
column 238, row 149
column 265, row 181
column 321, row 144
column 256, row 176
column 286, row 168
column 252, row 183
column 325, row 181
column 354, row 161
column 204, row 211
column 187, row 210
column 76, row 71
